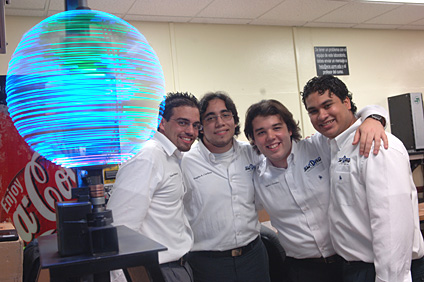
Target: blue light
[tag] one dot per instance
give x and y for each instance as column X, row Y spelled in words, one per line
column 84, row 88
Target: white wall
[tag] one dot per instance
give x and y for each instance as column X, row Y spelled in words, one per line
column 382, row 63
column 261, row 62
column 249, row 62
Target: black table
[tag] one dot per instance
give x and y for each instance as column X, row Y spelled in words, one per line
column 134, row 250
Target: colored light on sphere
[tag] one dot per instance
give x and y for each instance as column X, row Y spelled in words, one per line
column 85, row 88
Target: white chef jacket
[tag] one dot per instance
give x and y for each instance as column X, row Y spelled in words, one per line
column 297, row 199
column 148, row 197
column 219, row 201
column 374, row 207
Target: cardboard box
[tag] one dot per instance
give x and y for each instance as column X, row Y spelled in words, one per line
column 11, row 257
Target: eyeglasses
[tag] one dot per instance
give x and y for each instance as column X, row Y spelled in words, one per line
column 184, row 123
column 213, row 118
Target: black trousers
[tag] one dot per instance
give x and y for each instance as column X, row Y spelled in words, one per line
column 251, row 266
column 307, row 270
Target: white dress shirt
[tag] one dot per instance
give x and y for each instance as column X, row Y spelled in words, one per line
column 374, row 207
column 148, row 197
column 297, row 199
column 219, row 201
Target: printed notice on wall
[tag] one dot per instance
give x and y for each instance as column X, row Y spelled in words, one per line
column 331, row 60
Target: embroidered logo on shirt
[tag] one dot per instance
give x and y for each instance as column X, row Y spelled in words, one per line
column 312, row 164
column 345, row 160
column 197, row 177
column 250, row 167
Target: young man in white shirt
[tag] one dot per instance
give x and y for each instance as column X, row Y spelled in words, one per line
column 293, row 186
column 373, row 209
column 148, row 191
column 220, row 199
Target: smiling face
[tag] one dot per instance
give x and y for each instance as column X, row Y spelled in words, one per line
column 272, row 138
column 329, row 115
column 218, row 133
column 181, row 136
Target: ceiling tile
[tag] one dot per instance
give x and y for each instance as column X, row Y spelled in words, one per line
column 402, row 15
column 27, row 5
column 52, row 12
column 238, row 8
column 57, row 5
column 356, row 12
column 157, row 18
column 168, row 7
column 377, row 26
column 336, row 25
column 111, row 6
column 412, row 27
column 311, row 13
column 24, row 12
column 220, row 21
column 282, row 22
column 419, row 22
column 306, row 10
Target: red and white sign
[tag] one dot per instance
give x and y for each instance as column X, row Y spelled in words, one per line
column 29, row 184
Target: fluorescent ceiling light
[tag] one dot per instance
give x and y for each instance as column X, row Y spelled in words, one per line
column 398, row 1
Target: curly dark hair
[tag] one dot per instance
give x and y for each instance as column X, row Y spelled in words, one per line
column 331, row 83
column 266, row 108
column 174, row 100
column 229, row 104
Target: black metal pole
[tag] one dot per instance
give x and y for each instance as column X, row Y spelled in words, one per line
column 76, row 5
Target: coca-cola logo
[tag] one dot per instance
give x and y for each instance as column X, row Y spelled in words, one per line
column 30, row 198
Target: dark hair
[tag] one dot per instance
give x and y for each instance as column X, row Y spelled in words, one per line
column 174, row 100
column 229, row 104
column 266, row 108
column 331, row 83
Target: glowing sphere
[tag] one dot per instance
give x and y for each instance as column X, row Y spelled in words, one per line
column 85, row 88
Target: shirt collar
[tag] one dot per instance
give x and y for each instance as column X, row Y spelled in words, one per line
column 341, row 139
column 167, row 145
column 208, row 155
column 293, row 152
column 266, row 163
column 262, row 166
